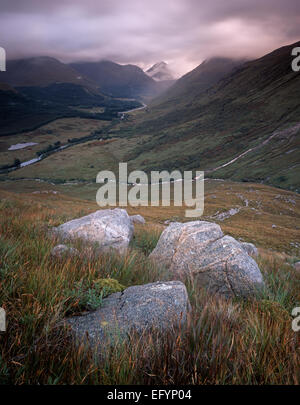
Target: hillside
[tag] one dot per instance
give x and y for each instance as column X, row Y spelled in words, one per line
column 39, row 292
column 205, row 121
column 194, row 83
column 119, row 80
column 20, row 113
column 41, row 71
column 44, row 89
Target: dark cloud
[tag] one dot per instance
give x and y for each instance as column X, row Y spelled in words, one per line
column 182, row 32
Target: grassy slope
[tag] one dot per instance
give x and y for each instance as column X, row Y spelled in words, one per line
column 225, row 342
column 260, row 207
column 202, row 130
column 59, row 130
column 17, row 113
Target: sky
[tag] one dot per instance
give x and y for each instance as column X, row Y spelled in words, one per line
column 181, row 32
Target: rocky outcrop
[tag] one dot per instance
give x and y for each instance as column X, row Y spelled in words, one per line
column 107, row 228
column 137, row 219
column 250, row 248
column 160, row 305
column 201, row 250
column 61, row 251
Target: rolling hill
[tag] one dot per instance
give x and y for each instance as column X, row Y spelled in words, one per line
column 204, row 121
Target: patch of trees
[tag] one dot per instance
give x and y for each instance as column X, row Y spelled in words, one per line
column 50, row 148
column 94, row 135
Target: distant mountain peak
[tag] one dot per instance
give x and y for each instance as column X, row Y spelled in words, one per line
column 160, row 71
column 157, row 65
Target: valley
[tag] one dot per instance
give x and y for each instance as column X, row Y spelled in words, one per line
column 143, row 293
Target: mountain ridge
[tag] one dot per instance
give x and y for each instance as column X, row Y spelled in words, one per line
column 118, row 80
column 41, row 71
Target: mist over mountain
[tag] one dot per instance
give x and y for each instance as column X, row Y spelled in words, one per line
column 160, row 71
column 41, row 71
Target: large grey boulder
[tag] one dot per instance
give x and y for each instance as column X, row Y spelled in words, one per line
column 137, row 219
column 250, row 248
column 107, row 228
column 201, row 250
column 160, row 305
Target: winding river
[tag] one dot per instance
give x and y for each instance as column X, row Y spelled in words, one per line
column 45, row 155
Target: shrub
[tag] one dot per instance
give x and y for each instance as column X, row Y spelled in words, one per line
column 88, row 295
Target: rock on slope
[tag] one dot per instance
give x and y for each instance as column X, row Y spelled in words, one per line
column 200, row 249
column 137, row 219
column 107, row 228
column 161, row 305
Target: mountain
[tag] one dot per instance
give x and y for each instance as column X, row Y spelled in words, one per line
column 119, row 80
column 160, row 71
column 38, row 90
column 19, row 113
column 7, row 88
column 211, row 116
column 46, row 79
column 194, row 83
column 41, row 71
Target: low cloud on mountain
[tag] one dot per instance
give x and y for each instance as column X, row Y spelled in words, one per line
column 181, row 32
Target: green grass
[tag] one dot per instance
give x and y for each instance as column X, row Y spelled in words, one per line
column 224, row 341
column 59, row 130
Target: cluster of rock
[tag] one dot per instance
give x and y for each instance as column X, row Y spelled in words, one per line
column 198, row 249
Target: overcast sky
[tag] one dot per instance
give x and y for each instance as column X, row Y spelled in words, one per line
column 180, row 32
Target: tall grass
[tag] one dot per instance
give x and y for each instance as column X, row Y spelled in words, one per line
column 224, row 341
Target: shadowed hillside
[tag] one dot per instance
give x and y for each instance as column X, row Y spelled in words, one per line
column 41, row 71
column 121, row 80
column 44, row 89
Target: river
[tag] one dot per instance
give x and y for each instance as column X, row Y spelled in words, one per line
column 44, row 155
